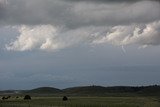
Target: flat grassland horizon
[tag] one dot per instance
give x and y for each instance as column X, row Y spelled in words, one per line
column 89, row 96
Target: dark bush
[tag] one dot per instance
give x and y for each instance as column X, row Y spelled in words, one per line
column 3, row 98
column 27, row 97
column 65, row 98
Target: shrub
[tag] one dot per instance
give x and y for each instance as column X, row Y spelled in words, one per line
column 3, row 98
column 65, row 98
column 27, row 97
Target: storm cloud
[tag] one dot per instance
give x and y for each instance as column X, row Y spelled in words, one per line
column 79, row 14
column 57, row 24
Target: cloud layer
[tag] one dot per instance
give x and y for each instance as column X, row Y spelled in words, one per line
column 47, row 37
column 57, row 24
column 77, row 14
column 134, row 34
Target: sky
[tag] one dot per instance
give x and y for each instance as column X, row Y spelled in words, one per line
column 67, row 43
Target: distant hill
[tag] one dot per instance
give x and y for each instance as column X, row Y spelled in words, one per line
column 44, row 90
column 7, row 92
column 150, row 90
column 114, row 91
column 86, row 90
column 153, row 90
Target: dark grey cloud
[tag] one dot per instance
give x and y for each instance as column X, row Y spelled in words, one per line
column 2, row 11
column 33, row 12
column 79, row 14
column 109, row 1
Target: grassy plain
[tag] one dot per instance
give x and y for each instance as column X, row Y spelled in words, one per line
column 83, row 102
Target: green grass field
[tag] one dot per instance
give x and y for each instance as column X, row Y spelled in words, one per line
column 83, row 102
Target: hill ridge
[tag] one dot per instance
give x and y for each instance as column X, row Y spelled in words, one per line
column 92, row 90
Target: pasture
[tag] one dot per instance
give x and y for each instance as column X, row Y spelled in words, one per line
column 82, row 102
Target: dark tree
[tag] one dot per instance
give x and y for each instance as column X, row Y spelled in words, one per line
column 65, row 98
column 27, row 97
column 3, row 98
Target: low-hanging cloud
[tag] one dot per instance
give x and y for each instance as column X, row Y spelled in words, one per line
column 57, row 24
